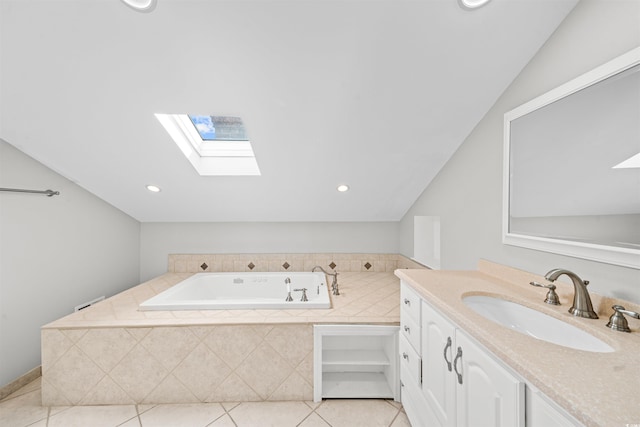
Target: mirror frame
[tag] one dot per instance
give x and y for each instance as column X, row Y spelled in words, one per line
column 595, row 252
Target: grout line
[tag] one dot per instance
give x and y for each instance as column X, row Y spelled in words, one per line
column 394, row 418
column 216, row 419
column 320, row 416
column 229, row 413
column 138, row 414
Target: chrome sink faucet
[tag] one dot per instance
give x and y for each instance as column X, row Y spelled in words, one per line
column 581, row 306
column 334, row 284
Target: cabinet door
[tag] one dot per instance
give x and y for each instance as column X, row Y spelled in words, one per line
column 487, row 395
column 438, row 382
column 541, row 413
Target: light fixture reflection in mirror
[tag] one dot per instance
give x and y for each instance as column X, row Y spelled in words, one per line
column 141, row 5
column 562, row 191
column 472, row 4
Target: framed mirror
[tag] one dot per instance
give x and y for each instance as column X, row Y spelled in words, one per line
column 572, row 167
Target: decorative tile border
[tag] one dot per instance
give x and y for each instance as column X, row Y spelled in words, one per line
column 197, row 263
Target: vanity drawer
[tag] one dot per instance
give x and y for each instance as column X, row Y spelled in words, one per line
column 410, row 302
column 415, row 405
column 411, row 331
column 409, row 360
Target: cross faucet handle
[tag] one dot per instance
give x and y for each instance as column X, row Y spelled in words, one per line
column 304, row 293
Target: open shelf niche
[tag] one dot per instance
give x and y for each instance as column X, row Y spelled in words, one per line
column 355, row 361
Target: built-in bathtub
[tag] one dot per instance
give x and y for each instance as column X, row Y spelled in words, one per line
column 225, row 291
column 112, row 353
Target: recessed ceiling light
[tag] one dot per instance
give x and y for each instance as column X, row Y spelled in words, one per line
column 472, row 4
column 153, row 188
column 342, row 188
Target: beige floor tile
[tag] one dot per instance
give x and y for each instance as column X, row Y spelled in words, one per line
column 229, row 405
column 312, row 404
column 25, row 410
column 94, row 416
column 314, row 420
column 145, row 407
column 223, row 421
column 357, row 413
column 187, row 415
column 22, row 410
column 401, row 420
column 133, row 422
column 269, row 414
column 394, row 403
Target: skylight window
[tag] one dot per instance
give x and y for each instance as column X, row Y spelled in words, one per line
column 205, row 127
column 218, row 128
column 215, row 145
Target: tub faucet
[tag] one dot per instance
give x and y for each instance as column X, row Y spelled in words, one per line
column 334, row 284
column 304, row 293
column 287, row 282
column 581, row 306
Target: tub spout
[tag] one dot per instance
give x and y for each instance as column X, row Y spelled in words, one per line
column 334, row 283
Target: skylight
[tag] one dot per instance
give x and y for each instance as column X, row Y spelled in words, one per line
column 218, row 128
column 215, row 145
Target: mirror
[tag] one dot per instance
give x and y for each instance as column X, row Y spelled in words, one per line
column 571, row 186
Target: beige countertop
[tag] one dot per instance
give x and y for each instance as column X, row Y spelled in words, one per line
column 598, row 389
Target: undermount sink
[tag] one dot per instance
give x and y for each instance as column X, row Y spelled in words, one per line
column 534, row 323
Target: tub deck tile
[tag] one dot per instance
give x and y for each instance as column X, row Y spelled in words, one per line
column 189, row 353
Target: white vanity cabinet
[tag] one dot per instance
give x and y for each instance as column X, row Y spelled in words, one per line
column 449, row 380
column 541, row 412
column 486, row 394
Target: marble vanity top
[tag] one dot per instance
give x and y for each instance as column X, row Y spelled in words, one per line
column 598, row 389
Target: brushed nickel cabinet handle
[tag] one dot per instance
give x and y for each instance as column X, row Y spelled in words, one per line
column 455, row 364
column 446, row 347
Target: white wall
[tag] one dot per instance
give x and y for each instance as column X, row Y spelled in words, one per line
column 467, row 193
column 55, row 253
column 158, row 240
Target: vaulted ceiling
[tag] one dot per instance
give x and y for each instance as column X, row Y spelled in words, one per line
column 376, row 94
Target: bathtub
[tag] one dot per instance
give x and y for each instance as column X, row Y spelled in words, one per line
column 224, row 291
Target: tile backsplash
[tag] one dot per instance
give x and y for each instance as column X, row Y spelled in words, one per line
column 197, row 263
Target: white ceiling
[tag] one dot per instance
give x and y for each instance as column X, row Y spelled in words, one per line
column 375, row 94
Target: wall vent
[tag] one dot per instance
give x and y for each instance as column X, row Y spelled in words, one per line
column 88, row 304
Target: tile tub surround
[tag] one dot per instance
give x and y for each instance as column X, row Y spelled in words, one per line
column 598, row 389
column 111, row 353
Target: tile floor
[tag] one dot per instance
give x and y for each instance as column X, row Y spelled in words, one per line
column 23, row 408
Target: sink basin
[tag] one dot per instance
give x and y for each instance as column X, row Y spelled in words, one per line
column 534, row 323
